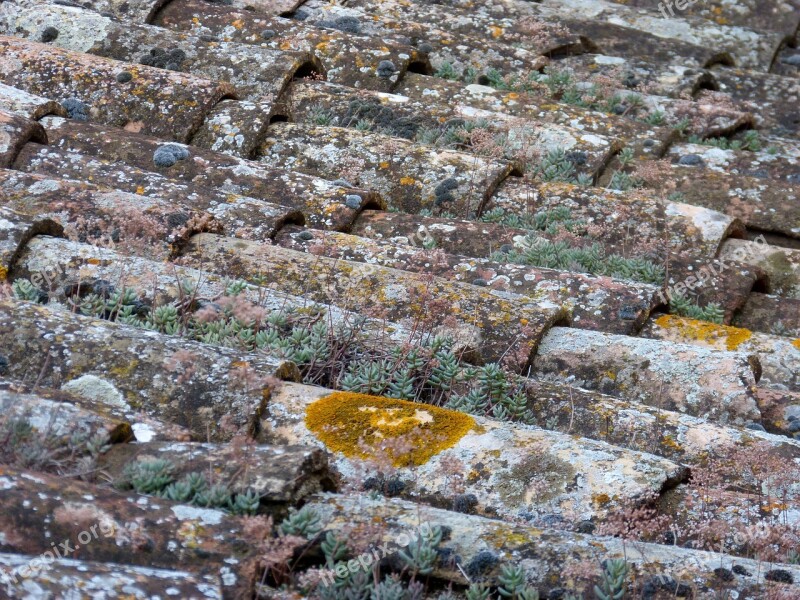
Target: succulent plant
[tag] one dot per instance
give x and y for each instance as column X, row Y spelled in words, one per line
column 304, row 523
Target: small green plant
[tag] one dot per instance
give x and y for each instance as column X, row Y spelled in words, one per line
column 750, row 141
column 334, row 549
column 447, row 71
column 655, row 118
column 626, row 156
column 478, row 591
column 421, row 554
column 512, row 584
column 612, row 585
column 320, row 115
column 540, row 252
column 677, row 197
column 303, row 523
column 551, row 221
column 556, row 166
column 25, row 290
column 245, row 503
column 623, row 181
column 684, row 307
column 682, row 126
column 149, row 476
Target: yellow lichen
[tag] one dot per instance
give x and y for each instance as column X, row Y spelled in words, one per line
column 795, row 343
column 709, row 333
column 359, row 425
column 601, row 499
column 3, row 273
column 669, row 442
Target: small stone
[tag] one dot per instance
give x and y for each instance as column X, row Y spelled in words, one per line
column 793, row 178
column 628, row 312
column 76, row 109
column 793, row 60
column 755, row 427
column 173, row 66
column 446, row 186
column 177, row 55
column 585, row 527
column 619, row 109
column 267, row 34
column 425, row 48
column 386, row 69
column 482, row 562
column 207, row 38
column 343, row 183
column 48, row 35
column 347, row 24
column 177, row 219
column 691, row 160
column 779, row 575
column 654, row 585
column 305, row 236
column 352, row 201
column 630, row 81
column 740, row 570
column 506, row 248
column 300, row 14
column 168, row 154
column 124, row 77
column 554, row 521
column 577, row 157
column 793, row 426
column 480, row 282
column 465, row 503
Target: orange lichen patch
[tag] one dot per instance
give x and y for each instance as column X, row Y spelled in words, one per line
column 3, row 273
column 709, row 333
column 601, row 499
column 407, row 181
column 795, row 343
column 496, row 31
column 355, row 424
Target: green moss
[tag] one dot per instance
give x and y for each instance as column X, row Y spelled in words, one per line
column 354, row 424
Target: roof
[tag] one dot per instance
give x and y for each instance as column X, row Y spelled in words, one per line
column 274, row 272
